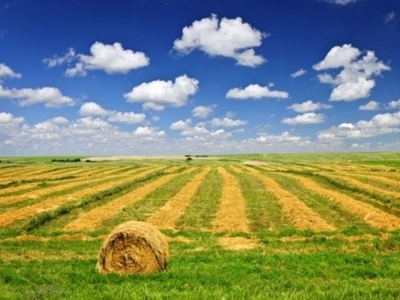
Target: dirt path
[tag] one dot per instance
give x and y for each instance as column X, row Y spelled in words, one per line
column 168, row 215
column 231, row 215
column 12, row 216
column 368, row 213
column 95, row 217
column 301, row 216
column 60, row 187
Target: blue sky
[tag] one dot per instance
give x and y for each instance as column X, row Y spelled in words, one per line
column 198, row 77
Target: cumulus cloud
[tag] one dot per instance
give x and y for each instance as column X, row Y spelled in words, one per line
column 307, row 118
column 308, row 106
column 49, row 96
column 371, row 105
column 59, row 60
column 338, row 56
column 92, row 109
column 229, row 38
column 9, row 123
column 89, row 135
column 227, row 122
column 112, row 59
column 284, row 138
column 298, row 73
column 59, row 120
column 148, row 132
column 6, row 71
column 377, row 125
column 199, row 132
column 394, row 104
column 158, row 94
column 202, row 111
column 181, row 125
column 255, row 91
column 341, row 2
column 127, row 117
column 390, row 17
column 355, row 80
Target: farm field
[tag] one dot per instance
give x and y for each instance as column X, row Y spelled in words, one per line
column 321, row 226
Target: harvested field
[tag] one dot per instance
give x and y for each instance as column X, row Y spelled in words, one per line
column 238, row 243
column 47, row 191
column 231, row 215
column 370, row 214
column 23, row 213
column 95, row 217
column 367, row 187
column 286, row 224
column 168, row 215
column 301, row 216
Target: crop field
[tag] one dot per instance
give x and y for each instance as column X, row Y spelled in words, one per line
column 238, row 227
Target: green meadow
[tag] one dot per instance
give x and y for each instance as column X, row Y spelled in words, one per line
column 284, row 252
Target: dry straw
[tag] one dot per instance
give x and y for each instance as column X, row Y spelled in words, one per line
column 133, row 247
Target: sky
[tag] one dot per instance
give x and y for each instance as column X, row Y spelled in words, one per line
column 160, row 77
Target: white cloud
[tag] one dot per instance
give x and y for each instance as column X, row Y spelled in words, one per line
column 341, row 2
column 227, row 122
column 181, row 125
column 355, row 81
column 228, row 38
column 284, row 138
column 92, row 109
column 59, row 120
column 78, row 70
column 338, row 56
column 158, row 94
column 390, row 17
column 308, row 106
column 298, row 73
column 9, row 123
column 195, row 131
column 59, row 60
column 358, row 146
column 6, row 71
column 394, row 104
column 148, row 132
column 255, row 91
column 49, row 96
column 353, row 90
column 307, row 118
column 377, row 125
column 127, row 117
column 371, row 105
column 202, row 111
column 112, row 59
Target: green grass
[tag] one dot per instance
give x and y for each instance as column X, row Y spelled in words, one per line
column 204, row 204
column 211, row 274
column 353, row 262
column 263, row 210
column 143, row 208
column 326, row 208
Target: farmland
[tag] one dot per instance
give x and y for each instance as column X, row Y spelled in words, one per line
column 250, row 226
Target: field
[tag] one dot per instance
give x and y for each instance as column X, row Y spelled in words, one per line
column 320, row 226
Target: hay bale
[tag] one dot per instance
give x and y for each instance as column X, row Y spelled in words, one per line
column 133, row 247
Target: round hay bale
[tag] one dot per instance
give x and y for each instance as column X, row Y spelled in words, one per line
column 133, row 247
